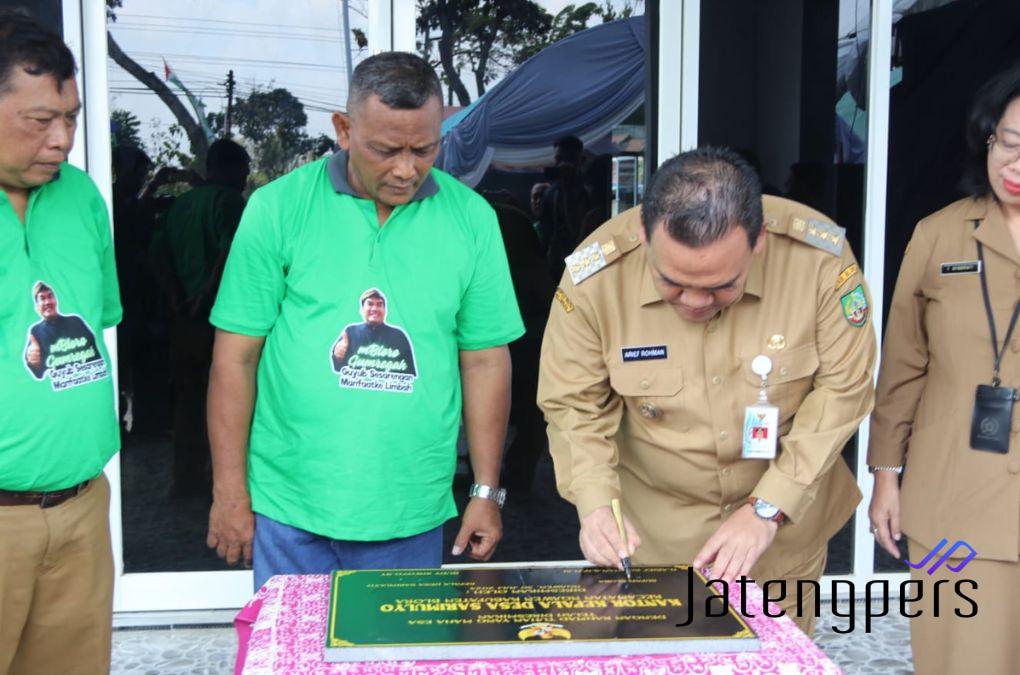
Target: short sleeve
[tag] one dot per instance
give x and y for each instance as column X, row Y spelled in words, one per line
column 488, row 315
column 112, row 311
column 252, row 288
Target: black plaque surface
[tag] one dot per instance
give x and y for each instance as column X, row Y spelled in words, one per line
column 377, row 615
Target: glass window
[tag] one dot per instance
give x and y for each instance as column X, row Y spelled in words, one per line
column 782, row 83
column 549, row 190
column 181, row 77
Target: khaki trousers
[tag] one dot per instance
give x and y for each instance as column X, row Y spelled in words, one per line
column 984, row 643
column 809, row 570
column 56, row 586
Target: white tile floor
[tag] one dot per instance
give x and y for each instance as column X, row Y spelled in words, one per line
column 211, row 651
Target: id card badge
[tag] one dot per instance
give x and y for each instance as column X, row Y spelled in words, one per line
column 761, row 426
column 761, row 420
column 992, row 419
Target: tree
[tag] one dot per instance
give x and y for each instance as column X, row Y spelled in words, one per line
column 490, row 37
column 191, row 127
column 124, row 126
column 274, row 121
column 471, row 34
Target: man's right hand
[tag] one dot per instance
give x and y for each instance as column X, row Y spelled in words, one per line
column 600, row 538
column 232, row 528
column 34, row 353
column 340, row 348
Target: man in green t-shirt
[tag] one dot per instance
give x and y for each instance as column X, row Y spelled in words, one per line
column 190, row 250
column 58, row 427
column 345, row 457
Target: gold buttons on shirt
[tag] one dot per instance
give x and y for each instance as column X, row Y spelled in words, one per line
column 725, row 471
column 1013, row 467
column 716, row 380
column 784, row 371
column 727, row 508
column 777, row 342
column 645, row 384
column 650, row 411
column 723, row 435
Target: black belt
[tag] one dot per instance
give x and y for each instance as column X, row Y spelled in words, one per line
column 42, row 499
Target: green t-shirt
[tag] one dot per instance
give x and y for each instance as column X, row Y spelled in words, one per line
column 196, row 231
column 58, row 426
column 359, row 401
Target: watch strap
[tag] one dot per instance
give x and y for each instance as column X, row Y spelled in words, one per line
column 482, row 491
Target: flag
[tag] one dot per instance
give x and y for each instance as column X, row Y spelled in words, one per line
column 196, row 103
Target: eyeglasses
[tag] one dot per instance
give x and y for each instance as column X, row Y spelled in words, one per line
column 1001, row 152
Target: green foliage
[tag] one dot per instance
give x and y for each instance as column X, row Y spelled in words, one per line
column 124, row 129
column 488, row 38
column 112, row 5
column 274, row 122
column 167, row 146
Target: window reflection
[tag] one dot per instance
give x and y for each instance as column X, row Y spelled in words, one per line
column 782, row 82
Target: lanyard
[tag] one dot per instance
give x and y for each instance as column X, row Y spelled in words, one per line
column 996, row 352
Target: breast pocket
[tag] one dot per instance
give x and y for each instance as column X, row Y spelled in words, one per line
column 791, row 379
column 651, row 392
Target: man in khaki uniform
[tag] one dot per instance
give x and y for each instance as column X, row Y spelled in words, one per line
column 646, row 373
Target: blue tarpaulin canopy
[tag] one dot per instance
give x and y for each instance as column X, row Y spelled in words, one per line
column 582, row 85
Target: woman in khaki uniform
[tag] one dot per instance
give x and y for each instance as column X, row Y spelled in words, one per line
column 938, row 364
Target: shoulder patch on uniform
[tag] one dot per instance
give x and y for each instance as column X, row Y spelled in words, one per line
column 818, row 233
column 855, row 306
column 586, row 261
column 564, row 301
column 847, row 274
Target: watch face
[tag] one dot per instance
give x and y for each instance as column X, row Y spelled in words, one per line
column 766, row 510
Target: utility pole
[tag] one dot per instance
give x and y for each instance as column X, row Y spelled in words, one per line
column 345, row 4
column 230, row 103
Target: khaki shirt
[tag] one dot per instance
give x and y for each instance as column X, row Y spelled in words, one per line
column 937, row 350
column 665, row 435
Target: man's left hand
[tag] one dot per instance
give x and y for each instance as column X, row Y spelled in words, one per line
column 736, row 546
column 481, row 529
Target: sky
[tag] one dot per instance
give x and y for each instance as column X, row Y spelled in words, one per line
column 296, row 44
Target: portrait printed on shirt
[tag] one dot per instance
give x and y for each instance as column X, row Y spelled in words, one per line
column 374, row 354
column 61, row 347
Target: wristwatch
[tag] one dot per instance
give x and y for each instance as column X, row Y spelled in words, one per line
column 497, row 495
column 766, row 511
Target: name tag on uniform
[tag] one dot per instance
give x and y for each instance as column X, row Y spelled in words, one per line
column 963, row 267
column 649, row 353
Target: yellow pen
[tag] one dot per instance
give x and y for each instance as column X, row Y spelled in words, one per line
column 618, row 514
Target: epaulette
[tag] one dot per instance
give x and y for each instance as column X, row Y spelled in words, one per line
column 828, row 237
column 584, row 262
column 616, row 238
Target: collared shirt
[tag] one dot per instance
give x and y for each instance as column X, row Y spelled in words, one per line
column 937, row 350
column 326, row 452
column 58, row 425
column 663, row 426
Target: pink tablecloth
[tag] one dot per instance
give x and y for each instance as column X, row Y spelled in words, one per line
column 287, row 624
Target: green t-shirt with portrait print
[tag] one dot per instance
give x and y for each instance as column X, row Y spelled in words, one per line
column 359, row 401
column 58, row 425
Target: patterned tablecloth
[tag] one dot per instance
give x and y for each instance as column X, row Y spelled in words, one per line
column 282, row 631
